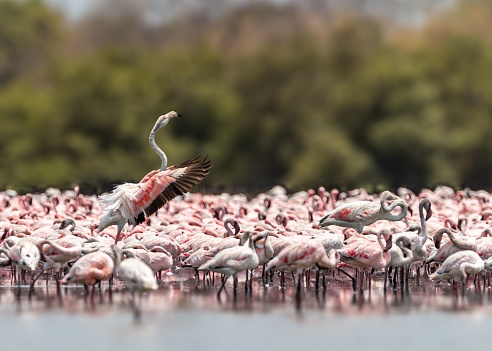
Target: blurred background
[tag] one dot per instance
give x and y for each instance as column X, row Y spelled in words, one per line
column 375, row 93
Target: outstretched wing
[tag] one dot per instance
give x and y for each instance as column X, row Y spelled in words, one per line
column 161, row 187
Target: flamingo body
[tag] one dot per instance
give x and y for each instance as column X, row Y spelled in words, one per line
column 358, row 214
column 299, row 256
column 459, row 266
column 90, row 269
column 137, row 275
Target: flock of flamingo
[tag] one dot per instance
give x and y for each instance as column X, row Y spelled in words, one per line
column 140, row 230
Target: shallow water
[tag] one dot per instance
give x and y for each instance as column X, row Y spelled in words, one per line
column 185, row 315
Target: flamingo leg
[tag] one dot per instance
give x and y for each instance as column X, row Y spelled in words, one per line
column 354, row 282
column 34, row 279
column 298, row 290
column 385, row 278
column 251, row 283
column 222, row 286
column 246, row 283
column 19, row 277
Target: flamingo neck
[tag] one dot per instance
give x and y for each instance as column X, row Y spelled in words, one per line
column 423, row 226
column 234, row 223
column 461, row 242
column 156, row 147
column 116, row 255
column 408, row 255
column 397, row 203
column 381, row 240
column 61, row 249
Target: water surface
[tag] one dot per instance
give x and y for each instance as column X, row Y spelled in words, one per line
column 184, row 314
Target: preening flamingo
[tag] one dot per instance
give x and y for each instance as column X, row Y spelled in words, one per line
column 132, row 203
column 358, row 214
column 401, row 255
column 418, row 237
column 400, row 252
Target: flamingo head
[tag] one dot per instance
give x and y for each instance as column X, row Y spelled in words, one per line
column 426, row 204
column 164, row 119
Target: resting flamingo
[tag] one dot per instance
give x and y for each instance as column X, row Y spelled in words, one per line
column 358, row 214
column 132, row 203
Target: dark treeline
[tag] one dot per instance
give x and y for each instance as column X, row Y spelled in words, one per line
column 273, row 95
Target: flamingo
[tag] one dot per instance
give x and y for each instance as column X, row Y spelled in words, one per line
column 360, row 251
column 135, row 273
column 456, row 243
column 417, row 235
column 198, row 258
column 133, row 203
column 459, row 266
column 401, row 254
column 90, row 270
column 24, row 255
column 233, row 260
column 160, row 259
column 358, row 214
column 302, row 255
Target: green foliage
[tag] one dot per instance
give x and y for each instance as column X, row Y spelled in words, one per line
column 346, row 104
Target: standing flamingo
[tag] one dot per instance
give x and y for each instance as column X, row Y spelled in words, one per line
column 360, row 251
column 358, row 214
column 90, row 270
column 302, row 255
column 132, row 203
column 137, row 275
column 233, row 260
column 417, row 236
column 24, row 255
column 401, row 255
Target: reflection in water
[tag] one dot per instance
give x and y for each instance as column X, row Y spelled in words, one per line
column 181, row 291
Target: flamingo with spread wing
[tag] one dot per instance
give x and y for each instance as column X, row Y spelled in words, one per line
column 132, row 203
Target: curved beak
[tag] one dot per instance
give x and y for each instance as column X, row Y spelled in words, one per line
column 429, row 214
